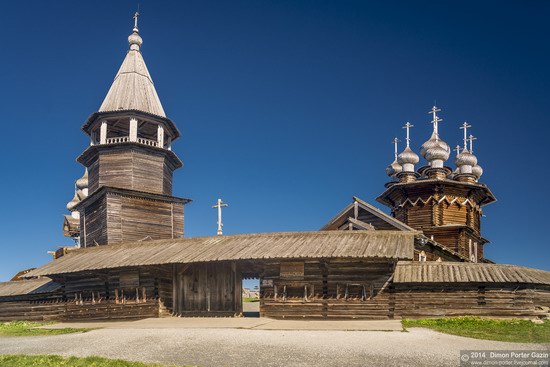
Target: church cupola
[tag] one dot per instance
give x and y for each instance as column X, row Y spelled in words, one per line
column 466, row 160
column 445, row 205
column 394, row 168
column 436, row 151
column 407, row 159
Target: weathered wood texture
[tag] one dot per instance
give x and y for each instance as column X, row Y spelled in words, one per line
column 131, row 167
column 495, row 300
column 116, row 217
column 350, row 289
column 209, row 289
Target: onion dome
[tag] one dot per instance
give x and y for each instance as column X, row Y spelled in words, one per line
column 71, row 204
column 465, row 161
column 394, row 168
column 477, row 171
column 134, row 40
column 82, row 182
column 408, row 159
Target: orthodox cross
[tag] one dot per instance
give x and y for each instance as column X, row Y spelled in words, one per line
column 457, row 150
column 219, row 205
column 395, row 141
column 471, row 139
column 136, row 15
column 408, row 126
column 465, row 127
column 436, row 120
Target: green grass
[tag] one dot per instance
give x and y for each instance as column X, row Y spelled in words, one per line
column 27, row 328
column 518, row 331
column 246, row 299
column 57, row 361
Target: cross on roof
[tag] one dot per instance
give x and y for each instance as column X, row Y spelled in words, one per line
column 465, row 127
column 471, row 139
column 136, row 15
column 394, row 142
column 219, row 205
column 457, row 150
column 408, row 126
column 436, row 120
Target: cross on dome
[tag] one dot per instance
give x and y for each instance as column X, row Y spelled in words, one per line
column 136, row 15
column 436, row 120
column 471, row 138
column 395, row 142
column 465, row 127
column 408, row 126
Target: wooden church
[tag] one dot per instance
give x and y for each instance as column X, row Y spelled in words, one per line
column 131, row 259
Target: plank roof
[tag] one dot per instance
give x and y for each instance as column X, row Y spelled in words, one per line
column 281, row 245
column 27, row 286
column 133, row 87
column 458, row 272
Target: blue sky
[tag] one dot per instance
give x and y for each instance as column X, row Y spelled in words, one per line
column 287, row 108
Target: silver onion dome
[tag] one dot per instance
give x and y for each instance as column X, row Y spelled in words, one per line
column 437, row 152
column 82, row 182
column 394, row 168
column 407, row 158
column 465, row 160
column 433, row 142
column 135, row 41
column 71, row 204
column 477, row 171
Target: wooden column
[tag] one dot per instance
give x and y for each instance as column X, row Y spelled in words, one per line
column 103, row 133
column 133, row 129
column 160, row 136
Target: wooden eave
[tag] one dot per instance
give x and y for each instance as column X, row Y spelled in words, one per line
column 96, row 195
column 462, row 272
column 89, row 154
column 97, row 117
column 460, row 227
column 399, row 190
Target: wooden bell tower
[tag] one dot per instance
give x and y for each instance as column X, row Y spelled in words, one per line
column 130, row 162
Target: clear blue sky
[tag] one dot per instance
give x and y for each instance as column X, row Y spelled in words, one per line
column 287, row 108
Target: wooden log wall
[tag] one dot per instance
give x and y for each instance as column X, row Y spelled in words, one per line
column 134, row 219
column 135, row 168
column 340, row 289
column 473, row 299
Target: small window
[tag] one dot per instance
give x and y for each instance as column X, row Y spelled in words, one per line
column 129, row 279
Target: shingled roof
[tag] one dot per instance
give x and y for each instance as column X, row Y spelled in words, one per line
column 133, row 87
column 457, row 272
column 291, row 245
column 29, row 286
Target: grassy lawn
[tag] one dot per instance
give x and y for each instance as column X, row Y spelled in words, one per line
column 26, row 328
column 518, row 331
column 251, row 299
column 57, row 361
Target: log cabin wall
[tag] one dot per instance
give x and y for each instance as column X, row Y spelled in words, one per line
column 131, row 167
column 471, row 299
column 339, row 288
column 210, row 289
column 117, row 217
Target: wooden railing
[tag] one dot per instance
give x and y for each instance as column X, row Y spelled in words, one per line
column 126, row 139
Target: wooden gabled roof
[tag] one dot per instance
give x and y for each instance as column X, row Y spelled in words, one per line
column 362, row 215
column 287, row 245
column 458, row 272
